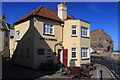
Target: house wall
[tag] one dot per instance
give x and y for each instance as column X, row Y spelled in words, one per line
column 12, row 44
column 72, row 42
column 4, row 40
column 23, row 48
column 46, row 44
column 6, row 53
column 1, row 40
column 32, row 38
column 75, row 42
column 85, row 42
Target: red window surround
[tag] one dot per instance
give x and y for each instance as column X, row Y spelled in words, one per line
column 74, row 59
column 73, row 35
column 86, row 59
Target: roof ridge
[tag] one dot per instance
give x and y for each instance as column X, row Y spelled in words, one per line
column 38, row 10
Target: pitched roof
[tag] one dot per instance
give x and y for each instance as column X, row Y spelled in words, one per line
column 44, row 12
column 10, row 26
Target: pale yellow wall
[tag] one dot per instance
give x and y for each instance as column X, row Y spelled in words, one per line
column 85, row 42
column 69, row 41
column 12, row 44
column 26, row 42
column 76, row 42
column 45, row 44
column 30, row 33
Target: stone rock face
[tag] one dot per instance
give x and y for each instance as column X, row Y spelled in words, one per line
column 100, row 39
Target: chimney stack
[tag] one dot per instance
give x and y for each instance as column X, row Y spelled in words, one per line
column 62, row 10
column 3, row 17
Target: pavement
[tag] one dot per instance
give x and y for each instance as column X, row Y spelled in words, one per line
column 11, row 71
column 106, row 74
column 103, row 72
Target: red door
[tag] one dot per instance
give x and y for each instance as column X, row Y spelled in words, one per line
column 65, row 55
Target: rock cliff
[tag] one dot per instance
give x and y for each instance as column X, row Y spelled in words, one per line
column 100, row 39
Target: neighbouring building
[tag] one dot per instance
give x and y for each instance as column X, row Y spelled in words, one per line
column 98, row 50
column 45, row 35
column 4, row 37
column 11, row 39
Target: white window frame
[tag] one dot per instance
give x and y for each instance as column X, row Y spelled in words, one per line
column 48, row 28
column 84, row 32
column 84, row 53
column 74, row 29
column 75, row 52
column 18, row 35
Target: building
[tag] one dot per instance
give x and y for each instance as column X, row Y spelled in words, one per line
column 4, row 36
column 11, row 39
column 98, row 50
column 46, row 35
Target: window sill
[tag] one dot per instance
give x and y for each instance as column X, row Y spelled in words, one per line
column 74, row 59
column 49, row 34
column 85, row 58
column 17, row 40
column 85, row 37
column 73, row 35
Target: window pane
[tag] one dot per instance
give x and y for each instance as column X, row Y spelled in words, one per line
column 84, row 31
column 73, row 52
column 73, row 32
column 40, row 51
column 49, row 52
column 48, row 29
column 51, row 31
column 17, row 34
column 73, row 49
column 84, row 52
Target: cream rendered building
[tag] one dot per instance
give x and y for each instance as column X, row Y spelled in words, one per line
column 45, row 35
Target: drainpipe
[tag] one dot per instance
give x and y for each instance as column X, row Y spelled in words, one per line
column 60, row 41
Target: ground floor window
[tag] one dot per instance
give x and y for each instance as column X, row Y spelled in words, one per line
column 49, row 52
column 84, row 53
column 74, row 52
column 40, row 51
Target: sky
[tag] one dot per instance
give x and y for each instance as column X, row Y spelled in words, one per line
column 101, row 15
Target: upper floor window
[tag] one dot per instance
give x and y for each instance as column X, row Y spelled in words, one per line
column 74, row 52
column 48, row 29
column 84, row 53
column 18, row 35
column 84, row 32
column 74, row 30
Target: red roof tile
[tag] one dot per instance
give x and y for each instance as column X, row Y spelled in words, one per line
column 44, row 12
column 10, row 26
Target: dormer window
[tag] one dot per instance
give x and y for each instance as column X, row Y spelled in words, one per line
column 48, row 29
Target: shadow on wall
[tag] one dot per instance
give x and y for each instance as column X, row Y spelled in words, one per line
column 32, row 49
column 30, row 52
